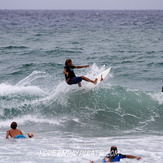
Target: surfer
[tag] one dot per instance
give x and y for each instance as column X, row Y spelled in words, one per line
column 71, row 77
column 16, row 133
column 114, row 156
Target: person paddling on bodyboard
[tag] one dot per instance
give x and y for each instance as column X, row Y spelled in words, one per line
column 114, row 156
column 16, row 133
column 70, row 76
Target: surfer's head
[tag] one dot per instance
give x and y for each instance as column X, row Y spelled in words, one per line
column 13, row 125
column 113, row 150
column 68, row 62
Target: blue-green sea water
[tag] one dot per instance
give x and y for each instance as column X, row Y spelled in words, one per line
column 72, row 124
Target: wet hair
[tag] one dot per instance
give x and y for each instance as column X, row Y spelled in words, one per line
column 13, row 125
column 113, row 150
column 67, row 61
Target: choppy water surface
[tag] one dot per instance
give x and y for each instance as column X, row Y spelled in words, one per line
column 71, row 124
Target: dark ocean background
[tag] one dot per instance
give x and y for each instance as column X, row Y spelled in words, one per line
column 126, row 110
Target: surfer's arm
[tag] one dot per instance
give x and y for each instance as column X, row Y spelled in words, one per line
column 65, row 72
column 133, row 157
column 107, row 159
column 81, row 66
column 30, row 135
column 7, row 134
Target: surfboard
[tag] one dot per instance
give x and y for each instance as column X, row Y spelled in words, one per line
column 100, row 78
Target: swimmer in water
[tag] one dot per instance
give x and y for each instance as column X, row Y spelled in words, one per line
column 16, row 133
column 70, row 76
column 114, row 156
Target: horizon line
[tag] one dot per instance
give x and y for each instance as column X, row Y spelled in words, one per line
column 89, row 9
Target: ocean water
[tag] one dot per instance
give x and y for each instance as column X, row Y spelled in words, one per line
column 71, row 124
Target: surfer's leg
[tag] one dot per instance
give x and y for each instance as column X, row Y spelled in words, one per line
column 89, row 80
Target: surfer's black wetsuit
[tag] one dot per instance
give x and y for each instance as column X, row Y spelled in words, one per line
column 72, row 76
column 70, row 71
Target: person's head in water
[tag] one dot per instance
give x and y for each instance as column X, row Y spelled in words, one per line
column 113, row 150
column 68, row 62
column 13, row 125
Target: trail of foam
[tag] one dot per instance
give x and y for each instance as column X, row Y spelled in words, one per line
column 25, row 86
column 6, row 90
column 157, row 96
column 32, row 77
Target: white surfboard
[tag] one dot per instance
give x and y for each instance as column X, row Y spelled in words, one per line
column 100, row 78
